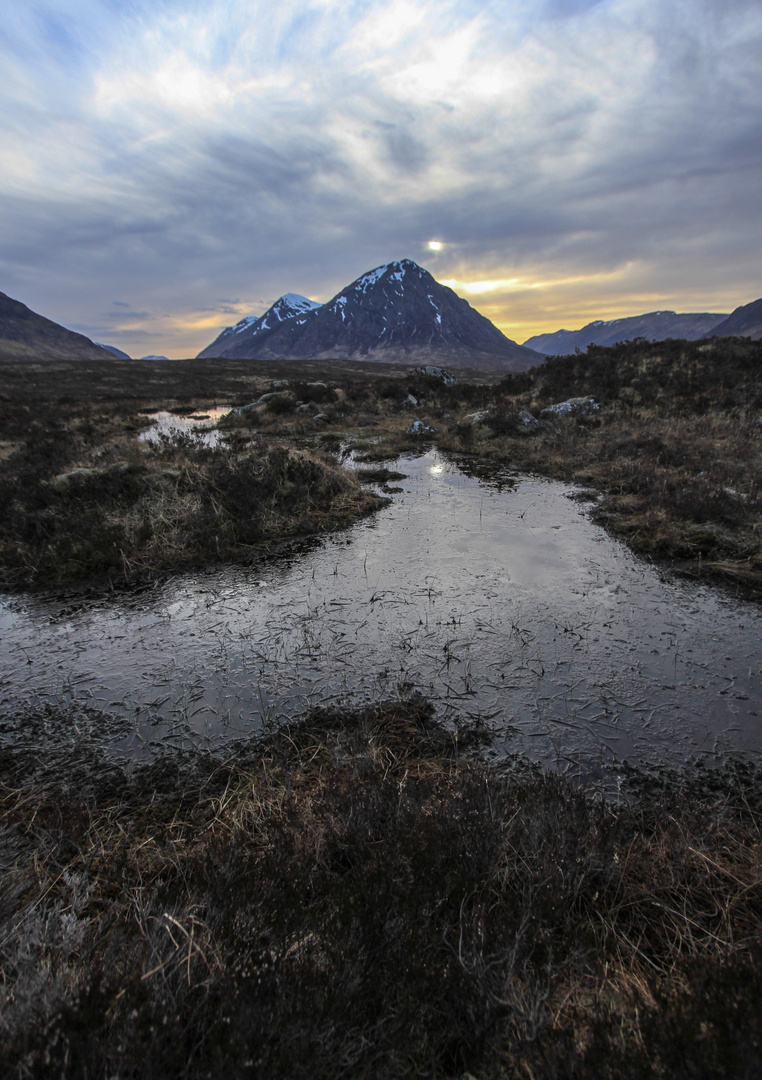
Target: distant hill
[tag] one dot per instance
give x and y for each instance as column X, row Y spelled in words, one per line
column 397, row 313
column 25, row 335
column 745, row 321
column 113, row 350
column 655, row 326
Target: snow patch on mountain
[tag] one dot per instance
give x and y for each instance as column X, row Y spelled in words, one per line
column 371, row 277
column 244, row 324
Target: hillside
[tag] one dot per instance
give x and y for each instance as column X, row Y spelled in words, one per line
column 26, row 335
column 745, row 321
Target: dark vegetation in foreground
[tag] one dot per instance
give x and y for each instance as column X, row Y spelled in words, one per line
column 673, row 455
column 356, row 896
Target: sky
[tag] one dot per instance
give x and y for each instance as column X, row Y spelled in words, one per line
column 169, row 166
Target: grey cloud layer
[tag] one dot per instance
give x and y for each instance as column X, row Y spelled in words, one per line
column 221, row 149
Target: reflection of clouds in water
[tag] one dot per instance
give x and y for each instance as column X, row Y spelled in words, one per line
column 509, row 606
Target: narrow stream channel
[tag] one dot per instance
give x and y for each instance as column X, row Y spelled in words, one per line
column 504, row 605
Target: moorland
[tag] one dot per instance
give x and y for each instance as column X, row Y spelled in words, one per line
column 673, row 451
column 359, row 893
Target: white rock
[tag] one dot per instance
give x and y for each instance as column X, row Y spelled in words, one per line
column 578, row 406
column 474, row 419
column 420, row 427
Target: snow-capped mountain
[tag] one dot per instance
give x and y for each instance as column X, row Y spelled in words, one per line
column 654, row 326
column 243, row 335
column 397, row 313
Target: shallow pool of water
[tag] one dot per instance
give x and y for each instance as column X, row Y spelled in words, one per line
column 502, row 603
column 201, row 426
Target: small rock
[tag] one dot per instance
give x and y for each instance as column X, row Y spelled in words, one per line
column 410, row 402
column 321, row 418
column 474, row 419
column 579, row 406
column 527, row 419
column 280, row 384
column 420, row 427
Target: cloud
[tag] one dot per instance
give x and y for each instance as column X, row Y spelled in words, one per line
column 582, row 152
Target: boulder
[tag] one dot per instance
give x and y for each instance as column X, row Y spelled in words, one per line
column 252, row 407
column 578, row 406
column 434, row 372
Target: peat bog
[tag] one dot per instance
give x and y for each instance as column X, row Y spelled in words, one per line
column 357, row 892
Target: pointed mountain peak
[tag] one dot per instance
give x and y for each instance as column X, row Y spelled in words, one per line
column 394, row 271
column 291, row 301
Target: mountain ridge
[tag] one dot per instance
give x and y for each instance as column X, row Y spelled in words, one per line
column 653, row 326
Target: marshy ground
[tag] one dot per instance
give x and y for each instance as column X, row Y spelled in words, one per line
column 358, row 894
column 675, row 452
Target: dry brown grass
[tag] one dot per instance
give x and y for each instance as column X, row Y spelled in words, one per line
column 354, row 896
column 140, row 509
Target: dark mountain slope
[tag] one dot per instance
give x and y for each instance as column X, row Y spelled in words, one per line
column 26, row 335
column 745, row 321
column 655, row 326
column 397, row 313
column 113, row 350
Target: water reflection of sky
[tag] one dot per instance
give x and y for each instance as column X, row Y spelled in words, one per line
column 507, row 606
column 200, row 426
